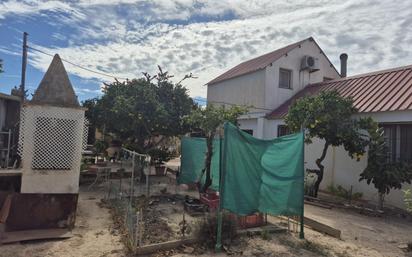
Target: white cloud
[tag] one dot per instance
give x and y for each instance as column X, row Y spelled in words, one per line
column 126, row 37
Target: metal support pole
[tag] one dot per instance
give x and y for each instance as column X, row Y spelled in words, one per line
column 23, row 66
column 147, row 182
column 218, row 246
column 137, row 231
column 132, row 177
column 302, row 218
column 141, row 229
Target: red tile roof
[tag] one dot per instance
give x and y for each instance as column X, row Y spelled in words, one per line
column 387, row 90
column 257, row 63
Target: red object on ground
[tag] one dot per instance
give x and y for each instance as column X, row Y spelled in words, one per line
column 250, row 221
column 211, row 199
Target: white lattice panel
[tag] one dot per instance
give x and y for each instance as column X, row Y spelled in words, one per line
column 85, row 133
column 51, row 138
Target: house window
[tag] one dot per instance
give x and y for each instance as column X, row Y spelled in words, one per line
column 285, row 78
column 249, row 131
column 283, row 130
column 398, row 138
column 405, row 153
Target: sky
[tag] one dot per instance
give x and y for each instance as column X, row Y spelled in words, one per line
column 127, row 37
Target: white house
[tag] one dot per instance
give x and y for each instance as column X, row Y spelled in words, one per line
column 271, row 82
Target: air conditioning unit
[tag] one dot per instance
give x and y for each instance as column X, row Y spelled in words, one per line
column 310, row 63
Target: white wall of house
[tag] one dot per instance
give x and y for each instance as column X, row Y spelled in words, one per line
column 275, row 96
column 261, row 88
column 248, row 90
column 342, row 170
column 249, row 124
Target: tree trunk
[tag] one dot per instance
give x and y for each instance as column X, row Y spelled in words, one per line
column 321, row 169
column 381, row 200
column 208, row 162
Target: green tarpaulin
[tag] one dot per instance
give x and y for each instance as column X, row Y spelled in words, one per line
column 193, row 161
column 257, row 175
column 262, row 175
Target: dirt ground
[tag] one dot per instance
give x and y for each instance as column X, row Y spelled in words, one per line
column 91, row 236
column 95, row 236
column 361, row 235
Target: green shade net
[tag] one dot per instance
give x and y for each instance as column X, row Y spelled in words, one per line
column 262, row 175
column 193, row 161
column 257, row 175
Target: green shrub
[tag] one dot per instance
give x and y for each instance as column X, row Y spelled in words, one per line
column 342, row 192
column 100, row 146
column 160, row 155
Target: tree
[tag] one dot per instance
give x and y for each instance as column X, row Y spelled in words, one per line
column 384, row 174
column 1, row 66
column 208, row 121
column 141, row 112
column 329, row 116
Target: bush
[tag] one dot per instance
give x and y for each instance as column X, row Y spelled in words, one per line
column 160, row 155
column 100, row 146
column 342, row 192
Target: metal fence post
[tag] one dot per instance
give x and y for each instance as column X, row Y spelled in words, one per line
column 132, row 182
column 218, row 246
column 137, row 231
column 147, row 182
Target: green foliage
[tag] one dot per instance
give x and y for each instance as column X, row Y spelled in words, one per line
column 159, row 155
column 344, row 193
column 207, row 120
column 136, row 111
column 408, row 200
column 1, row 66
column 382, row 173
column 309, row 182
column 100, row 146
column 210, row 118
column 385, row 175
column 329, row 116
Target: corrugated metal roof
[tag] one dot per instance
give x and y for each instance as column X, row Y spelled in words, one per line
column 257, row 63
column 386, row 90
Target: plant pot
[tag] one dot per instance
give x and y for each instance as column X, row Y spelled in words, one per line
column 249, row 221
column 211, row 199
column 160, row 170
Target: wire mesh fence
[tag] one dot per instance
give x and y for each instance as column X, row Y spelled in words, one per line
column 127, row 183
column 151, row 212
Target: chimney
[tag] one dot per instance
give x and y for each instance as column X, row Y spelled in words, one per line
column 343, row 64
